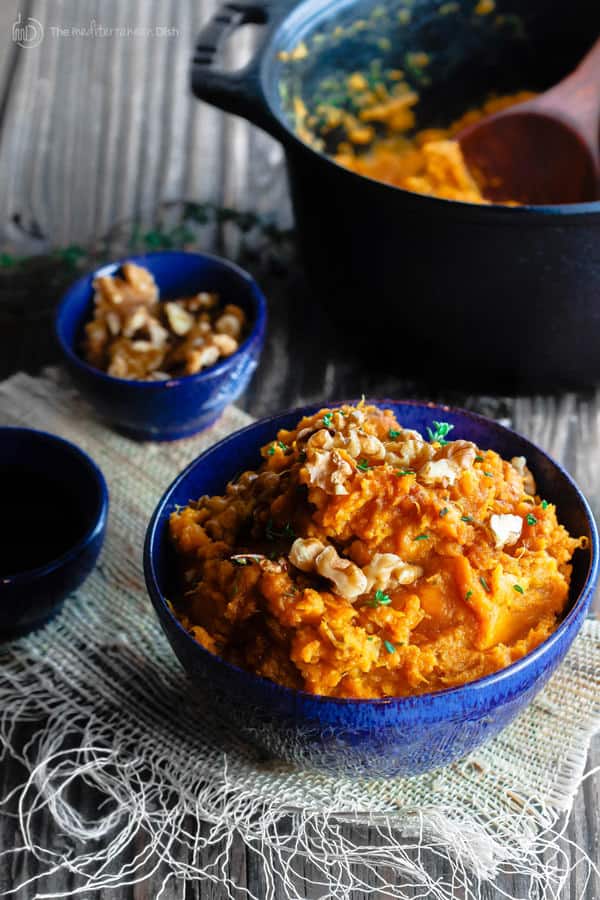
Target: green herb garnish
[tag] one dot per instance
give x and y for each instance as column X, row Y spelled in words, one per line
column 444, row 512
column 363, row 465
column 518, row 589
column 531, row 519
column 401, row 472
column 327, row 419
column 272, row 534
column 484, row 584
column 468, row 594
column 282, row 446
column 422, row 537
column 271, row 450
column 466, row 518
column 380, row 599
column 393, row 434
column 488, row 474
column 545, row 504
column 389, row 646
column 479, row 459
column 439, row 432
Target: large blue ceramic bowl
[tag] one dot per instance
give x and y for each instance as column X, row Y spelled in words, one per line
column 370, row 737
column 54, row 513
column 166, row 410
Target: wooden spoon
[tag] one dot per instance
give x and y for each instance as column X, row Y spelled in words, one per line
column 543, row 151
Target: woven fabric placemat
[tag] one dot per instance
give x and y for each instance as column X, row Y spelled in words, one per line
column 110, row 703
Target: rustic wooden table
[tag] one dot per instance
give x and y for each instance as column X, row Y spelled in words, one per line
column 99, row 127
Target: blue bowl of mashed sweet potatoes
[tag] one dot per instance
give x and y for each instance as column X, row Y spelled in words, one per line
column 384, row 594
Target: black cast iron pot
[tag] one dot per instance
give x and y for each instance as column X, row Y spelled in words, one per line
column 488, row 294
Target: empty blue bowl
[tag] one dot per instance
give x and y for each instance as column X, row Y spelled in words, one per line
column 54, row 513
column 166, row 410
column 370, row 737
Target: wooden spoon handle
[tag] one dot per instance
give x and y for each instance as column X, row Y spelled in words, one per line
column 577, row 97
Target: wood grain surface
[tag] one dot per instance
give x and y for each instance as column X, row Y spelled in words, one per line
column 96, row 130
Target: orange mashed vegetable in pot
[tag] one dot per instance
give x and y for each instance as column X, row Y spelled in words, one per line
column 428, row 162
column 364, row 560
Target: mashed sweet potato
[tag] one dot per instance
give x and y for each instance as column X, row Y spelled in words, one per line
column 428, row 162
column 365, row 560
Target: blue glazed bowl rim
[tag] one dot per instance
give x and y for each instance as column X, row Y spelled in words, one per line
column 480, row 684
column 313, row 11
column 100, row 513
column 214, row 371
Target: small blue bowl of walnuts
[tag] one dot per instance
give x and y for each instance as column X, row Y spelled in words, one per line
column 160, row 344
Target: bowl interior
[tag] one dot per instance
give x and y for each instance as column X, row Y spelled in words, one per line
column 52, row 499
column 209, row 474
column 471, row 49
column 176, row 274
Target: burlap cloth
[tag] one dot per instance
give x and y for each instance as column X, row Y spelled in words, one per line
column 108, row 702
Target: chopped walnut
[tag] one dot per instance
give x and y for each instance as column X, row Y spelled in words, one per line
column 450, row 460
column 506, row 528
column 231, row 322
column 439, row 471
column 461, row 453
column 304, row 552
column 311, row 555
column 328, row 470
column 225, row 345
column 349, row 581
column 134, row 336
column 520, row 464
column 386, row 570
column 179, row 319
column 409, row 450
column 320, row 440
column 201, row 359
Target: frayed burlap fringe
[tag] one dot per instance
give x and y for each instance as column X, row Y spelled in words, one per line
column 104, row 700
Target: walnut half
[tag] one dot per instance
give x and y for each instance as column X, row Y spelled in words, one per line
column 310, row 555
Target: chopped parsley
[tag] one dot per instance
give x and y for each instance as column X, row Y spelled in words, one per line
column 468, row 594
column 282, row 446
column 479, row 458
column 389, row 646
column 327, row 420
column 272, row 534
column 484, row 584
column 439, row 432
column 444, row 512
column 271, row 450
column 380, row 599
column 401, row 472
column 545, row 504
column 531, row 519
column 393, row 434
column 422, row 537
column 466, row 518
column 488, row 474
column 363, row 465
column 518, row 589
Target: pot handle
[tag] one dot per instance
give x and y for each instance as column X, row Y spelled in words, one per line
column 240, row 91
